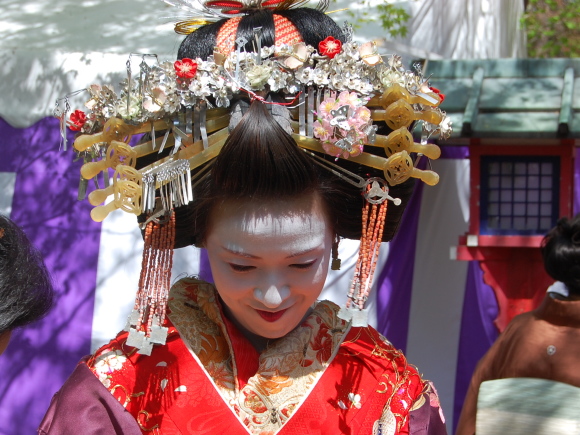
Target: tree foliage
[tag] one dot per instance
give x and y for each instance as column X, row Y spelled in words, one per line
column 391, row 17
column 552, row 28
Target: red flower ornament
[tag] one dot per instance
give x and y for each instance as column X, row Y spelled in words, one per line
column 439, row 94
column 185, row 68
column 77, row 120
column 330, row 47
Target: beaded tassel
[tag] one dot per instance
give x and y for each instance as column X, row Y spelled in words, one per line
column 154, row 281
column 373, row 225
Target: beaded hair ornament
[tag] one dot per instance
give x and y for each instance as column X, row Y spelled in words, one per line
column 334, row 94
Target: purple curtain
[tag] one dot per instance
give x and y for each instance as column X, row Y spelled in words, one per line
column 41, row 356
column 477, row 331
column 395, row 283
column 576, row 202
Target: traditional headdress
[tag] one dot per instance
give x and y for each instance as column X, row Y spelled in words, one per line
column 329, row 97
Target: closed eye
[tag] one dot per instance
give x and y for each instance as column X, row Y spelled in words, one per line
column 241, row 268
column 307, row 265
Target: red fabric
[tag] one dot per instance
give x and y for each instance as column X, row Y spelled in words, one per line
column 226, row 37
column 285, row 32
column 138, row 386
column 169, row 412
column 322, row 378
column 246, row 355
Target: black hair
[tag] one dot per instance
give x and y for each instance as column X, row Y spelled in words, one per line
column 26, row 292
column 261, row 162
column 561, row 253
column 313, row 26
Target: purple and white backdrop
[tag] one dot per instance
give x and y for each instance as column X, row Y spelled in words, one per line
column 436, row 309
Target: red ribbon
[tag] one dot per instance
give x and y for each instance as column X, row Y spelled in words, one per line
column 271, row 3
column 235, row 7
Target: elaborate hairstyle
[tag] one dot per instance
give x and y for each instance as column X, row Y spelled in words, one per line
column 26, row 292
column 561, row 253
column 261, row 160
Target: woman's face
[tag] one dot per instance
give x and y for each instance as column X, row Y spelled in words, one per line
column 269, row 261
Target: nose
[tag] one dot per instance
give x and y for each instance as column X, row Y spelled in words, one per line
column 273, row 297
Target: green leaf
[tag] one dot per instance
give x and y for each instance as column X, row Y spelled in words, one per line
column 391, row 17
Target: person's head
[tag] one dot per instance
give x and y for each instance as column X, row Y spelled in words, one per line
column 266, row 210
column 26, row 292
column 561, row 253
column 267, row 213
column 270, row 259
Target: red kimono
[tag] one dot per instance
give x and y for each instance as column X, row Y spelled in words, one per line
column 324, row 377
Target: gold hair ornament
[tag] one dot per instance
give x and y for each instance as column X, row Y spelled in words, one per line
column 336, row 92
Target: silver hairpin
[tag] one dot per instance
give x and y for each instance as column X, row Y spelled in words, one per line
column 346, row 175
column 258, row 44
column 322, row 5
column 347, row 32
column 164, row 141
column 174, row 183
column 129, row 86
column 310, row 111
column 379, row 192
column 62, row 114
column 240, row 44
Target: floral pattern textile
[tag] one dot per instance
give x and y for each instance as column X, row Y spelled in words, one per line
column 323, row 377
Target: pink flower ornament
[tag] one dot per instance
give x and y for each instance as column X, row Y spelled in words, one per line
column 322, row 130
column 344, row 125
column 349, row 98
column 327, row 106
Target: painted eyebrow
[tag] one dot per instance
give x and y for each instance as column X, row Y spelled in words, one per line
column 255, row 257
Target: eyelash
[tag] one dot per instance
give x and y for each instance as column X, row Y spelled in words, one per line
column 242, row 268
column 303, row 265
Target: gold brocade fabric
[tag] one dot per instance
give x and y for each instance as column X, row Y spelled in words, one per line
column 287, row 369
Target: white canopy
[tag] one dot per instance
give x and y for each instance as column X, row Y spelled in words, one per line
column 49, row 51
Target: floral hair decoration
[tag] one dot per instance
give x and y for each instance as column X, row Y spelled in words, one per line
column 335, row 93
column 330, row 47
column 344, row 125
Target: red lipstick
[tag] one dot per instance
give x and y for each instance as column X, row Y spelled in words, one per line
column 269, row 316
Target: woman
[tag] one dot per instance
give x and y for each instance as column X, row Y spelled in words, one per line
column 26, row 292
column 256, row 353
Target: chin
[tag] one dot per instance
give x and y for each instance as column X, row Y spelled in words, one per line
column 272, row 336
column 275, row 332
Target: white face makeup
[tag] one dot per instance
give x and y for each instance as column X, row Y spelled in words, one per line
column 269, row 265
